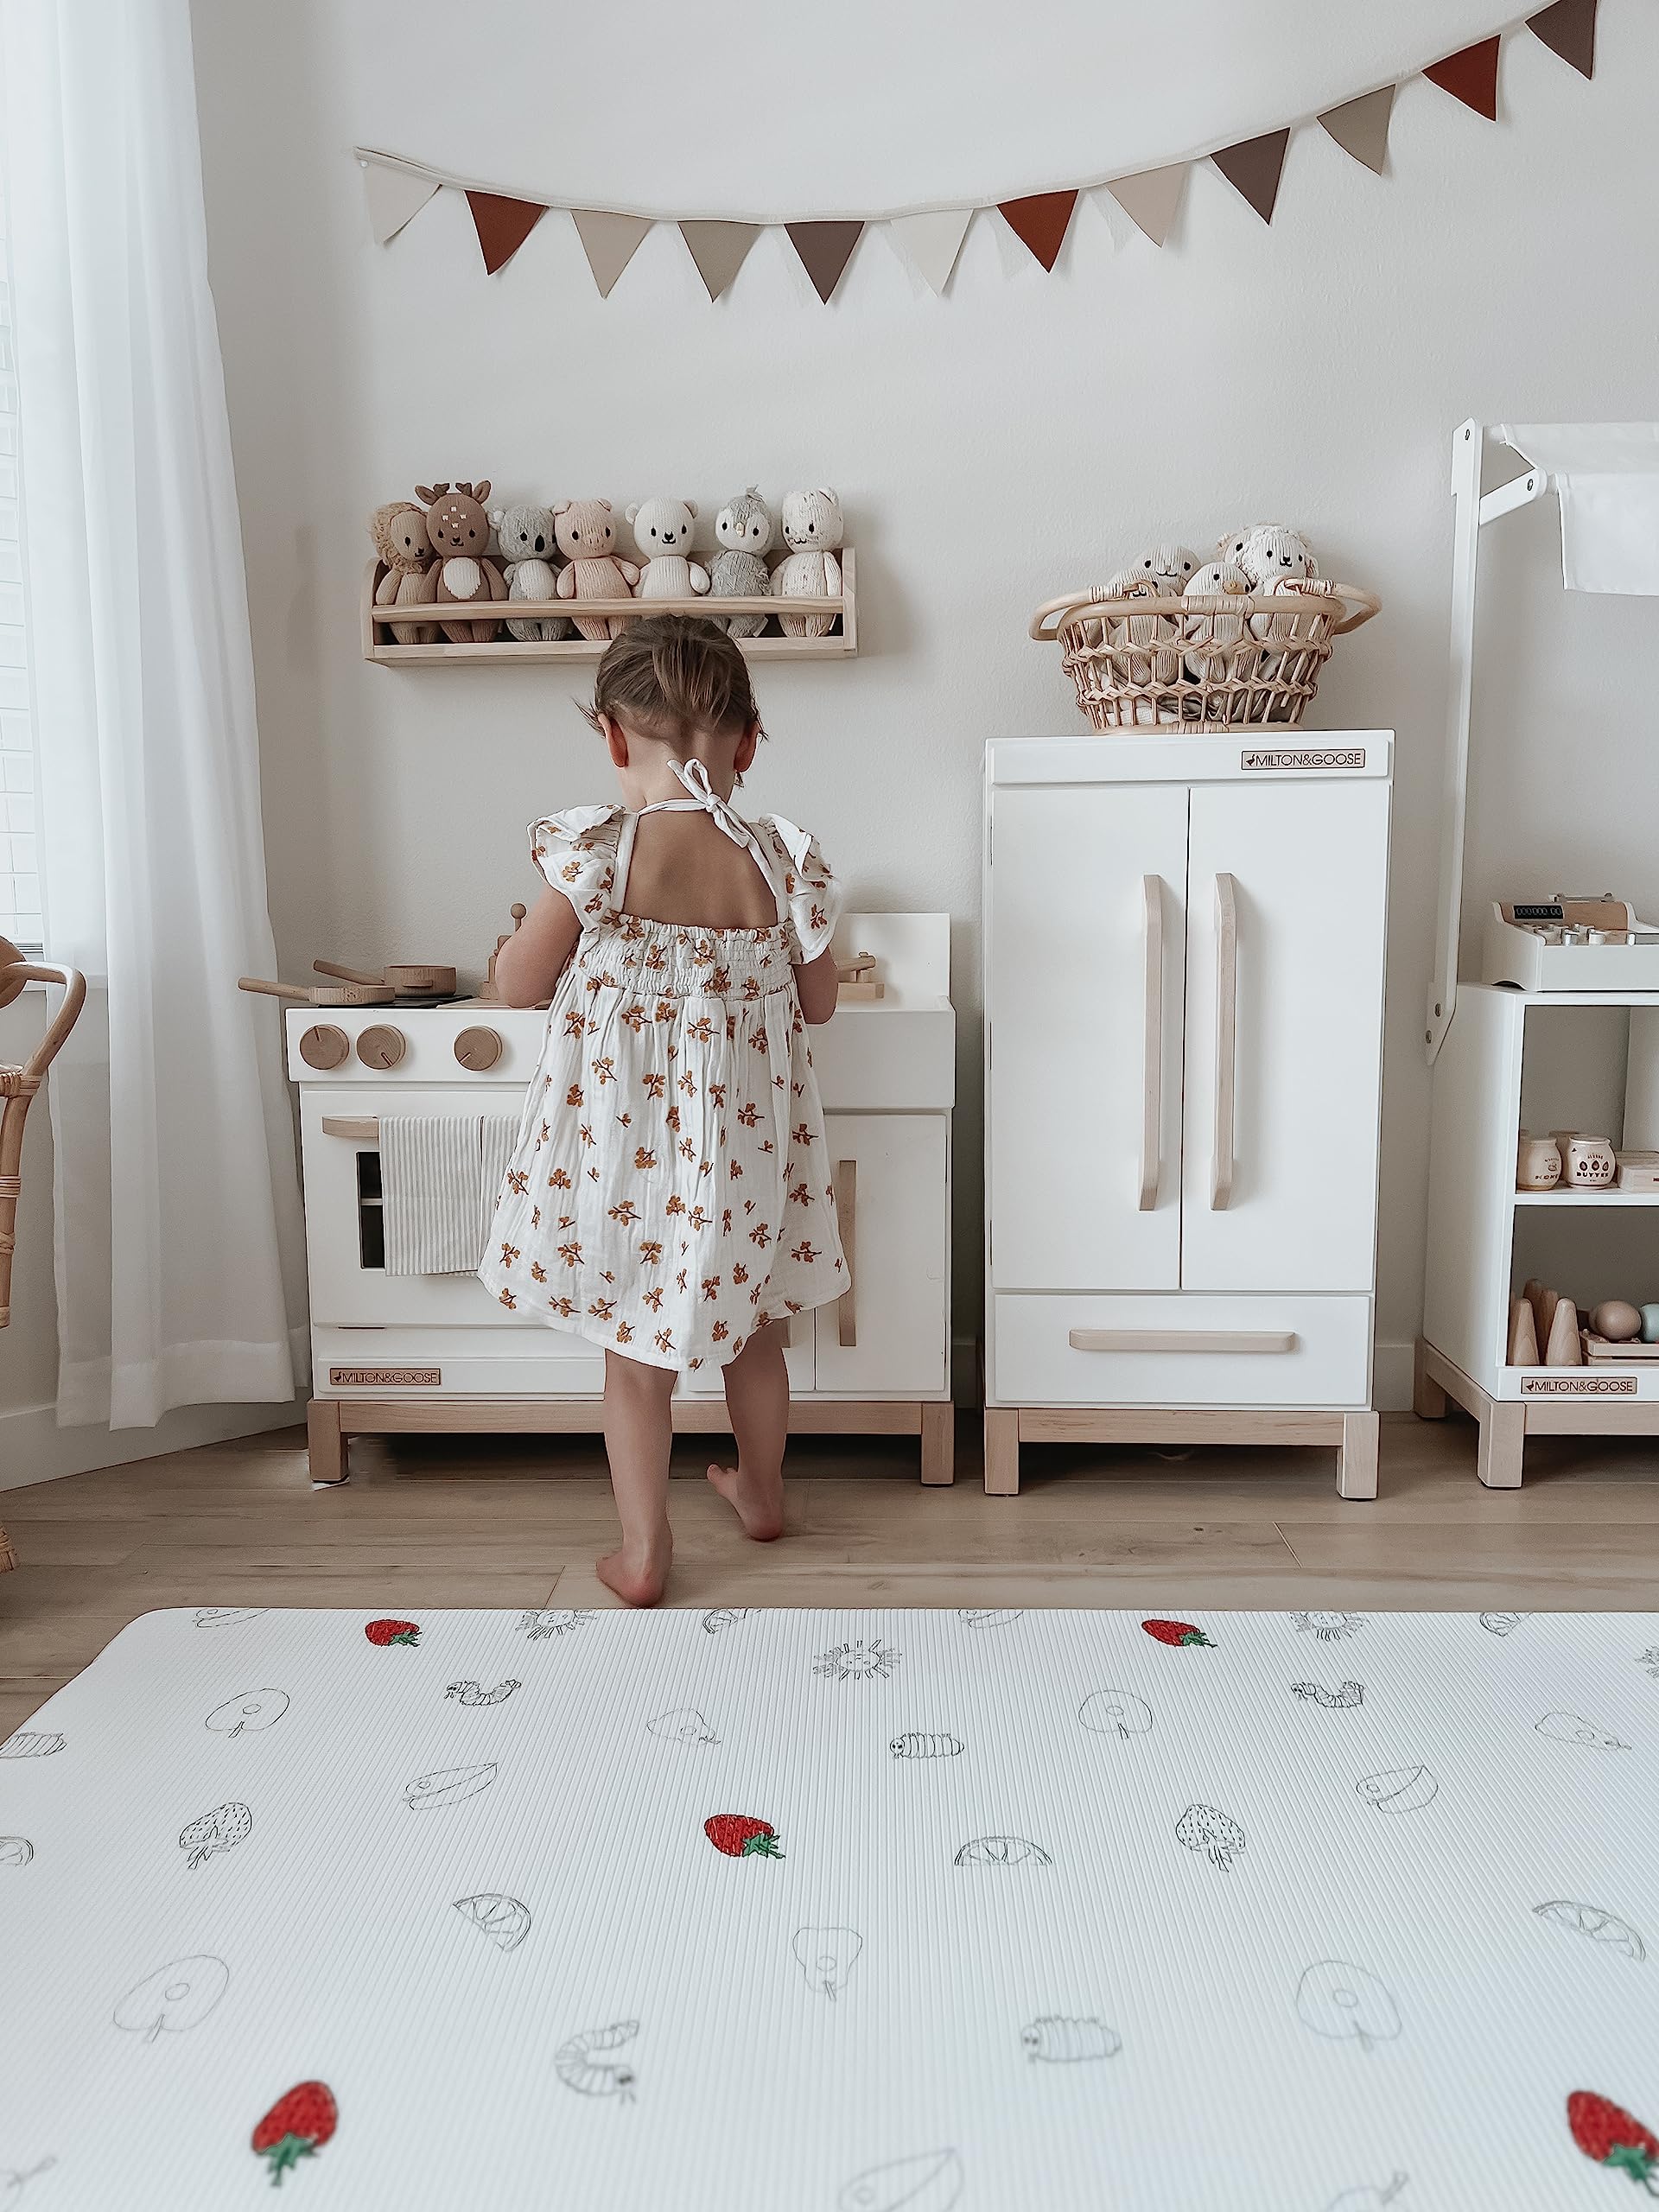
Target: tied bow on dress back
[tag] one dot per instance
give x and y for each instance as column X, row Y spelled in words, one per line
column 702, row 795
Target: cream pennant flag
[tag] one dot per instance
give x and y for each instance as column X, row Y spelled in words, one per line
column 1361, row 127
column 609, row 242
column 719, row 250
column 393, row 194
column 932, row 242
column 1153, row 200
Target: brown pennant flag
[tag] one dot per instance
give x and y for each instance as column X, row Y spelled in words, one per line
column 1040, row 222
column 1470, row 76
column 1253, row 168
column 1151, row 199
column 1569, row 29
column 609, row 242
column 825, row 250
column 719, row 249
column 1361, row 127
column 502, row 226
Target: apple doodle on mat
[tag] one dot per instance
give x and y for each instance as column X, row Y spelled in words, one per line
column 1369, row 2196
column 25, row 1745
column 558, row 1622
column 1399, row 1789
column 447, row 1786
column 683, row 1725
column 296, row 2126
column 1572, row 1728
column 916, row 1744
column 12, row 2179
column 990, row 1616
column 505, row 1920
column 222, row 1829
column 247, row 1711
column 1202, row 1827
column 385, row 1633
column 740, row 1835
column 1502, row 1623
column 578, row 2066
column 827, row 1956
column 15, row 1851
column 1607, row 2132
column 1595, row 1922
column 470, row 1694
column 1059, row 2041
column 931, row 2182
column 177, row 1996
column 1115, row 1713
column 868, row 1659
column 1002, row 1850
column 1329, row 1628
column 1346, row 2003
column 720, row 1617
column 1342, row 1699
column 228, row 1615
column 1176, row 1634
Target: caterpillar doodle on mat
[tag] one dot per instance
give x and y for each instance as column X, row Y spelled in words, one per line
column 573, row 2061
column 916, row 1743
column 1338, row 1701
column 1061, row 2042
column 470, row 1694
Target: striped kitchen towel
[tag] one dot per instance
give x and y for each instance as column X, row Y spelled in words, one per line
column 431, row 1171
column 500, row 1134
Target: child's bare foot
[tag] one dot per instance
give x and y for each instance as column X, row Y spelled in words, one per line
column 756, row 1500
column 637, row 1578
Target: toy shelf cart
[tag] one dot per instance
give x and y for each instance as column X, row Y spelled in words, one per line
column 1553, row 1038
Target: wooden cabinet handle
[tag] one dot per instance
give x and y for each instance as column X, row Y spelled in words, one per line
column 846, row 1223
column 1221, row 1182
column 1152, row 1102
column 364, row 1130
column 1254, row 1340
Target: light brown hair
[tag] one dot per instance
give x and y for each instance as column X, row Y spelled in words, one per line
column 672, row 676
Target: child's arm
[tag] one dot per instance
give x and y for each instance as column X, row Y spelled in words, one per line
column 817, row 982
column 533, row 958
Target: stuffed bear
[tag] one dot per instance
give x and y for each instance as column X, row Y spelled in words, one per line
column 1266, row 552
column 460, row 531
column 1162, row 631
column 411, row 579
column 585, row 534
column 744, row 529
column 524, row 536
column 1221, row 580
column 812, row 529
column 1169, row 564
column 662, row 530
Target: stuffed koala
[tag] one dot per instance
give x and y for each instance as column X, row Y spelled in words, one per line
column 744, row 529
column 411, row 579
column 459, row 528
column 585, row 534
column 524, row 536
column 662, row 530
column 812, row 527
column 1221, row 580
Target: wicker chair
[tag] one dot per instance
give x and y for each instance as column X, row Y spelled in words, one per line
column 17, row 1087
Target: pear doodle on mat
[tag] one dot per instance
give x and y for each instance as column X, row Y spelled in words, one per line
column 448, row 1785
column 249, row 1710
column 1002, row 1850
column 1061, row 2041
column 15, row 1851
column 222, row 1829
column 505, row 1920
column 1115, row 1713
column 12, row 2179
column 720, row 1617
column 557, row 1621
column 827, row 1956
column 1369, row 2196
column 1329, row 1628
column 1202, row 1827
column 1595, row 1922
column 27, row 1745
column 177, row 1996
column 990, row 1616
column 1399, row 1789
column 1502, row 1623
column 229, row 1616
column 1346, row 2003
column 577, row 2063
column 917, row 1743
column 1342, row 1700
column 931, row 2182
column 866, row 1660
column 683, row 1725
column 470, row 1694
column 1572, row 1728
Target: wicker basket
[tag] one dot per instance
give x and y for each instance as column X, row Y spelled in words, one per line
column 1142, row 661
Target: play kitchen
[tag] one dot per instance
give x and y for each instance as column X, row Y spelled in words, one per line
column 409, row 1098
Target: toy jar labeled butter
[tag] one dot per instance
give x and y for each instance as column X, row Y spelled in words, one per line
column 528, row 552
column 1591, row 1164
column 586, row 534
column 812, row 527
column 662, row 530
column 744, row 529
column 459, row 527
column 411, row 579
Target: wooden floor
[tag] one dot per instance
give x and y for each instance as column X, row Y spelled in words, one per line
column 507, row 1521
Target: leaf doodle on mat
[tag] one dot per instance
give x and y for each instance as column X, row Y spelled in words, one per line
column 448, row 1785
column 578, row 2066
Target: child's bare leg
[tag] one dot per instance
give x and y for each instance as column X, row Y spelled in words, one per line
column 757, row 1398
column 639, row 1435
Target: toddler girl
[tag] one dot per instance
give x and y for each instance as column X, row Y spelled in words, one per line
column 669, row 1196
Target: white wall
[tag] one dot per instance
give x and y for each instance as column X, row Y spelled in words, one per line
column 1017, row 437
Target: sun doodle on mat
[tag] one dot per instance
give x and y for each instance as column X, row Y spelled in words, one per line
column 559, row 1622
column 1329, row 1628
column 866, row 1660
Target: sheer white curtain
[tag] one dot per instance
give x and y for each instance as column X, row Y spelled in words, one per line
column 179, row 1243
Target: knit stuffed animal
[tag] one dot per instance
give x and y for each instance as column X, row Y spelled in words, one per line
column 411, row 579
column 662, row 530
column 1221, row 580
column 1162, row 666
column 1170, row 564
column 524, row 536
column 744, row 529
column 585, row 534
column 1266, row 552
column 812, row 529
column 460, row 531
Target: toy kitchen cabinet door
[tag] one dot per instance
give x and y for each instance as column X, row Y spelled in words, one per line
column 1083, row 979
column 1287, row 906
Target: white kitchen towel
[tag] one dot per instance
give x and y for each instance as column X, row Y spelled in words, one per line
column 1606, row 476
column 500, row 1134
column 431, row 1172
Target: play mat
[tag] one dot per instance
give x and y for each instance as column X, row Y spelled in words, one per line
column 851, row 1911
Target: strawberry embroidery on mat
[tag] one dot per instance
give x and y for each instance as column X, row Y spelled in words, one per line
column 740, row 1835
column 385, row 1632
column 296, row 2126
column 1174, row 1632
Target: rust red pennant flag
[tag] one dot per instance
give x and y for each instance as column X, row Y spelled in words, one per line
column 1040, row 222
column 502, row 226
column 1253, row 168
column 1470, row 77
column 825, row 250
column 1569, row 29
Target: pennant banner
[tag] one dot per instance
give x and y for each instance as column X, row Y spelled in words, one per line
column 1040, row 222
column 1253, row 167
column 502, row 226
column 609, row 242
column 719, row 250
column 1361, row 127
column 1470, row 76
column 933, row 242
column 825, row 249
column 1153, row 200
column 394, row 194
column 1569, row 29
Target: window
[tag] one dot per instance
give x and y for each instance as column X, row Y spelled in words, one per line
column 20, row 886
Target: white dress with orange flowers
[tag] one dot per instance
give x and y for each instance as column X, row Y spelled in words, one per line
column 668, row 1193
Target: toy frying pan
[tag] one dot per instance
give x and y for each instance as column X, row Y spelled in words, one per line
column 323, row 993
column 412, row 978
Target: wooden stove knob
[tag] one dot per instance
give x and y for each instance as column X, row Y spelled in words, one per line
column 478, row 1049
column 380, row 1045
column 324, row 1046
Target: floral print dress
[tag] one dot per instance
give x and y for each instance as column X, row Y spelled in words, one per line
column 668, row 1193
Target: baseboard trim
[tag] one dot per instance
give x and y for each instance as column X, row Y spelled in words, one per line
column 33, row 1449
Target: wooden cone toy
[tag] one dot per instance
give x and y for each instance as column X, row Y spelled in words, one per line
column 1523, row 1335
column 1564, row 1349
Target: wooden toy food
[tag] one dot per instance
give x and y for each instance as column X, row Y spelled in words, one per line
column 321, row 993
column 409, row 978
column 1616, row 1320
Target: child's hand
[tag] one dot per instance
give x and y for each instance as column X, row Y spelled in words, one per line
column 533, row 958
column 818, row 982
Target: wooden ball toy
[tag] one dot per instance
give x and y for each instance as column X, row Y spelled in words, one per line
column 1617, row 1320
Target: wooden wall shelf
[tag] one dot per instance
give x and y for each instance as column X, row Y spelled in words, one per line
column 380, row 645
